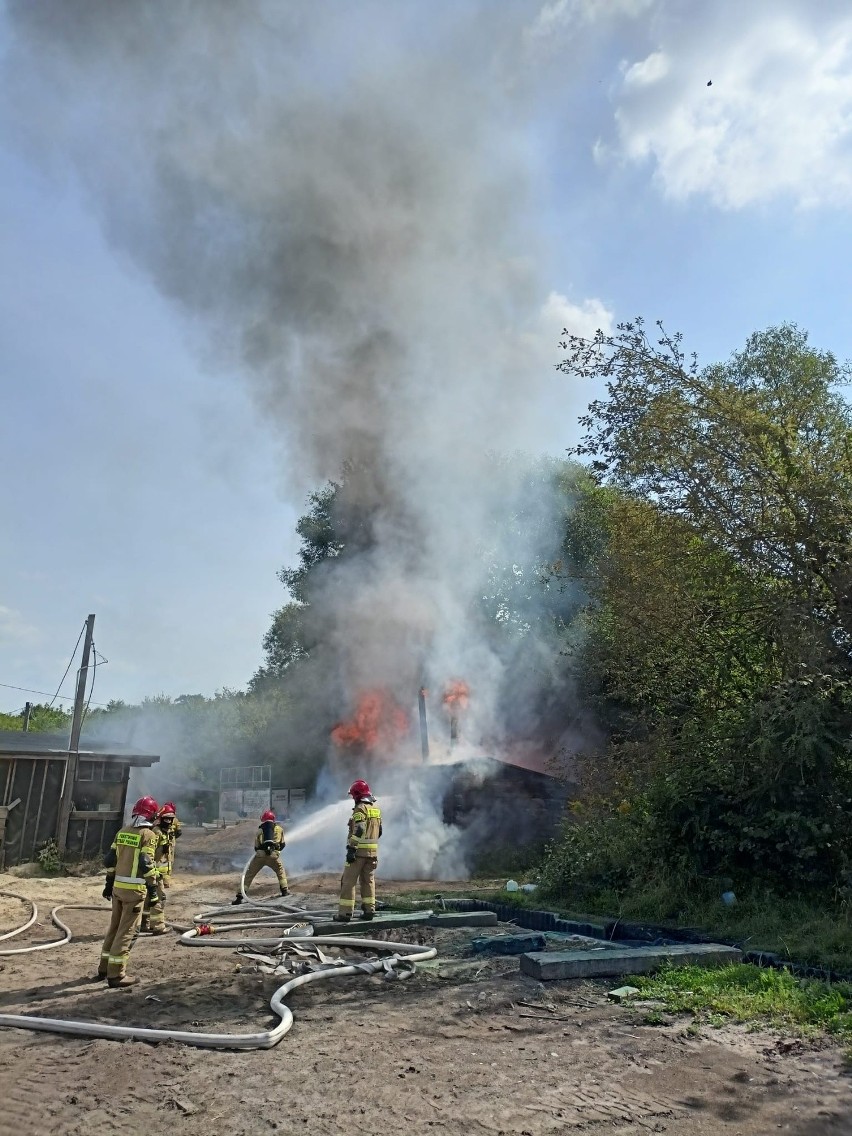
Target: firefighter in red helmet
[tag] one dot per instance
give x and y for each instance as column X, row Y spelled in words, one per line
column 362, row 854
column 131, row 877
column 167, row 829
column 267, row 854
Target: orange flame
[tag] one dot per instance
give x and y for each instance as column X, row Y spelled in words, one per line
column 456, row 696
column 379, row 722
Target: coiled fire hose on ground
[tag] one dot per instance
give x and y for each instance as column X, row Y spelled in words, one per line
column 293, row 926
column 57, row 922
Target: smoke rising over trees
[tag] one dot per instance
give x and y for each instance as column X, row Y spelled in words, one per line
column 352, row 239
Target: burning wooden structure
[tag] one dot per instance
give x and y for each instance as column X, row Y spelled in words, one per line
column 505, row 802
column 33, row 769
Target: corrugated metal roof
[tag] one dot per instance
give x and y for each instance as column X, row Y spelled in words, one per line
column 55, row 743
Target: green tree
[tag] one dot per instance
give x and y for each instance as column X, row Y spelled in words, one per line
column 755, row 453
column 717, row 649
column 42, row 717
column 321, row 540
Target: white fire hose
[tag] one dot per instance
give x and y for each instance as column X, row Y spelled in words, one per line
column 57, row 922
column 294, row 926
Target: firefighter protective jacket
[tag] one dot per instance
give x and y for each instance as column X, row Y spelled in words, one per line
column 165, row 854
column 269, row 833
column 130, row 860
column 365, row 828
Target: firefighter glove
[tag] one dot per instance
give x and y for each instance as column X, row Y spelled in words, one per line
column 350, row 855
column 107, row 892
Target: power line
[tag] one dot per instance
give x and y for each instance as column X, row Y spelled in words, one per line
column 29, row 690
column 68, row 668
column 92, row 687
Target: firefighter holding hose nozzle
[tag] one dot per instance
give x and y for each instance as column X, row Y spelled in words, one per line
column 267, row 854
column 131, row 879
column 362, row 854
column 167, row 829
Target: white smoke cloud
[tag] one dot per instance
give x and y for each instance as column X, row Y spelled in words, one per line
column 742, row 104
column 339, row 204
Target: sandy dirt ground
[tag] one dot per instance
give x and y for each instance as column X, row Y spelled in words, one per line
column 482, row 1050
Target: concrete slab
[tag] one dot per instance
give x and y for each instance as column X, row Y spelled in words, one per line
column 369, row 927
column 569, row 942
column 507, row 944
column 463, row 919
column 551, row 965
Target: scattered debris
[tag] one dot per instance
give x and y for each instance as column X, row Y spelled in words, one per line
column 507, row 944
column 184, row 1106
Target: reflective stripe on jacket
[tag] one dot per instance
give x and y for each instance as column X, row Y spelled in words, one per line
column 365, row 828
column 130, row 860
column 166, row 839
column 269, row 831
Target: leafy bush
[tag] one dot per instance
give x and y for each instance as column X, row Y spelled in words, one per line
column 597, row 854
column 48, row 857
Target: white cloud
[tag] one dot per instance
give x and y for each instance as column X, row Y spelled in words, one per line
column 558, row 314
column 557, row 15
column 648, row 71
column 776, row 120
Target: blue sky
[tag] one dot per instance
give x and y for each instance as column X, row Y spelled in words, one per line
column 146, row 485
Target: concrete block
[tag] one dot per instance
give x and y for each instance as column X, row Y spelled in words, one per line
column 550, row 965
column 464, row 919
column 370, row 927
column 565, row 942
column 507, row 944
column 622, row 993
column 573, row 927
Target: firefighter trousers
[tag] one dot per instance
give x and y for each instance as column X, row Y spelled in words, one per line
column 266, row 860
column 361, row 872
column 153, row 913
column 126, row 913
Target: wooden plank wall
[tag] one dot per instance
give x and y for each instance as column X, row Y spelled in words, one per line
column 36, row 784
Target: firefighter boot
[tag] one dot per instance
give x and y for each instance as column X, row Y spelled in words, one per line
column 341, row 918
column 121, row 983
column 285, row 891
column 368, row 915
column 236, row 902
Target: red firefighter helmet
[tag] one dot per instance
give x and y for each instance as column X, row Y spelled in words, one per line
column 145, row 807
column 359, row 789
column 268, row 815
column 168, row 809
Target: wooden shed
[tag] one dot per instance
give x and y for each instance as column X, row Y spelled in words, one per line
column 33, row 769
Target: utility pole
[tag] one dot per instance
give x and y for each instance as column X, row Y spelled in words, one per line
column 74, row 742
column 28, row 709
